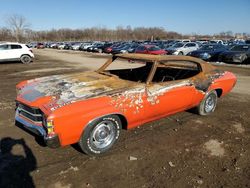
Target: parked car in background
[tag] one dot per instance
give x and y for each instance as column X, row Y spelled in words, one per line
column 150, row 49
column 40, row 45
column 237, row 54
column 208, row 52
column 110, row 48
column 61, row 46
column 76, row 46
column 53, row 45
column 101, row 47
column 182, row 48
column 217, row 42
column 84, row 46
column 122, row 49
column 185, row 40
column 90, row 108
column 68, row 46
column 32, row 44
column 15, row 52
column 94, row 45
column 133, row 47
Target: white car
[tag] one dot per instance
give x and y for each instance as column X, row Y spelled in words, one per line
column 76, row 46
column 15, row 52
column 182, row 48
column 61, row 46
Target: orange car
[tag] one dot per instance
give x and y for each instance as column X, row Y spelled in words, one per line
column 91, row 108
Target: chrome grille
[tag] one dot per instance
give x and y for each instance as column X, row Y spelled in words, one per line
column 33, row 114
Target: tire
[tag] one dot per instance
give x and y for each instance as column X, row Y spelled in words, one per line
column 25, row 59
column 180, row 53
column 208, row 104
column 244, row 60
column 100, row 135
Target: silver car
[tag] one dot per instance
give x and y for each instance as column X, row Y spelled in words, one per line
column 181, row 48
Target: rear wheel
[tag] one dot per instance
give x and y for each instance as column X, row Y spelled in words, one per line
column 25, row 59
column 100, row 135
column 208, row 104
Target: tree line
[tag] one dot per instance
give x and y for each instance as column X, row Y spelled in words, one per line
column 18, row 29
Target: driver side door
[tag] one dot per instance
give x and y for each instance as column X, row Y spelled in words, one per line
column 168, row 94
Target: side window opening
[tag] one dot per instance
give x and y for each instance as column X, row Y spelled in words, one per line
column 4, row 47
column 14, row 46
column 175, row 70
column 139, row 74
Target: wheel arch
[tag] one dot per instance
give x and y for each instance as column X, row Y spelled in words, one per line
column 25, row 54
column 121, row 117
column 219, row 92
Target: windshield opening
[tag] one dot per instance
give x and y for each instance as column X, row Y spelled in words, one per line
column 136, row 71
column 243, row 48
column 178, row 45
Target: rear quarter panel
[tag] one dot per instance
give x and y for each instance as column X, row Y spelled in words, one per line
column 225, row 82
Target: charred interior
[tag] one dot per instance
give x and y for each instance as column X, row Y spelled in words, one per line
column 170, row 73
column 165, row 72
column 136, row 74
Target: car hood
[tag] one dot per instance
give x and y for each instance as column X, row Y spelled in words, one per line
column 64, row 89
column 198, row 52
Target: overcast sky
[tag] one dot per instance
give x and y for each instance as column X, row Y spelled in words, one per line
column 183, row 16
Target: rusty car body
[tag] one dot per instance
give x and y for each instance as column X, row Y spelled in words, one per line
column 90, row 108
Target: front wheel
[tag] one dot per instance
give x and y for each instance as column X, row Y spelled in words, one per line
column 180, row 53
column 25, row 59
column 208, row 104
column 100, row 135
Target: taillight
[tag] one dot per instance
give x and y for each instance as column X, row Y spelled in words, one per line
column 31, row 51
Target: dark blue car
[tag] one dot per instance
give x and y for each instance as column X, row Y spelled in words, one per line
column 208, row 52
column 236, row 54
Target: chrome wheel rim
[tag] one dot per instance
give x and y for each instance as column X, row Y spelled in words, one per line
column 103, row 134
column 210, row 103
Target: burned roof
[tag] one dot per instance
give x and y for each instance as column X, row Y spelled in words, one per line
column 206, row 67
column 159, row 58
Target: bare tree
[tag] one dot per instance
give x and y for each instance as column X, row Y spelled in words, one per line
column 18, row 24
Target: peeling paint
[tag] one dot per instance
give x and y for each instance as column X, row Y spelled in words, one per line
column 124, row 94
column 132, row 98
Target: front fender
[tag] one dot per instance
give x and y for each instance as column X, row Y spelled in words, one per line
column 71, row 120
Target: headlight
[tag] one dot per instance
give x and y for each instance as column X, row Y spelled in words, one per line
column 205, row 55
column 238, row 55
column 124, row 51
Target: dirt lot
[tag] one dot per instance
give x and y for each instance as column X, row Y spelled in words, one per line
column 184, row 150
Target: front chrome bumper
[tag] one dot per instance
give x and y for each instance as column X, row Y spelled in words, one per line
column 52, row 141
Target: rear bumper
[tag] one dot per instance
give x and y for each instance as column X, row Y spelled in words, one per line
column 50, row 141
